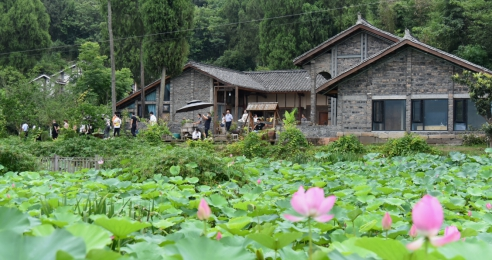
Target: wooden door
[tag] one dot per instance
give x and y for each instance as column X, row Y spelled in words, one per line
column 323, row 118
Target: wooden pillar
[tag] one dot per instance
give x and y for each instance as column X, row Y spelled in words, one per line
column 216, row 114
column 236, row 96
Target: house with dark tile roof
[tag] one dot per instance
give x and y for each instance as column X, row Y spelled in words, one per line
column 362, row 81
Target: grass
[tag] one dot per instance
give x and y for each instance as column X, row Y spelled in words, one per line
column 470, row 150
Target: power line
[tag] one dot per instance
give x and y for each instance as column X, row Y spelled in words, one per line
column 200, row 28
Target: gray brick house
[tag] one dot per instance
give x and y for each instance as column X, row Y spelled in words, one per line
column 362, row 81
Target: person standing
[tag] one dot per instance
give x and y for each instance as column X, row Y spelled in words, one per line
column 208, row 120
column 228, row 119
column 153, row 119
column 65, row 124
column 116, row 125
column 55, row 130
column 25, row 129
column 107, row 129
column 134, row 124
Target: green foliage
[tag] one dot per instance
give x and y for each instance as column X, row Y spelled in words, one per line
column 24, row 26
column 291, row 143
column 96, row 78
column 408, row 145
column 290, row 118
column 474, row 139
column 205, row 144
column 166, row 50
column 254, row 146
column 346, row 143
column 153, row 133
column 14, row 158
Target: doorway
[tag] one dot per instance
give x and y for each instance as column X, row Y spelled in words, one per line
column 323, row 118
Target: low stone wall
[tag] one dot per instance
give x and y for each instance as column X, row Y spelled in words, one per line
column 382, row 137
column 318, row 131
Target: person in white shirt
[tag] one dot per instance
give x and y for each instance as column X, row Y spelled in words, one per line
column 255, row 118
column 25, row 129
column 153, row 119
column 243, row 118
column 228, row 119
column 116, row 125
column 197, row 135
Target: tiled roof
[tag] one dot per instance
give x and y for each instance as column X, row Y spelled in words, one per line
column 285, row 80
column 233, row 77
column 408, row 36
column 404, row 41
column 360, row 21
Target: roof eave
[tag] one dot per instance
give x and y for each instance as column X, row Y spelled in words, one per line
column 313, row 52
column 390, row 50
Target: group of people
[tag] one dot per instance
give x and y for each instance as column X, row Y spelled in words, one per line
column 133, row 125
column 204, row 122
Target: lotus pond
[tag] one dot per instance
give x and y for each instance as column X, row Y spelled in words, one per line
column 109, row 214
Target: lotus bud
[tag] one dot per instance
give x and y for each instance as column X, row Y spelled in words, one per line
column 203, row 210
column 488, row 206
column 387, row 221
column 413, row 231
column 469, row 213
column 219, row 236
column 258, row 181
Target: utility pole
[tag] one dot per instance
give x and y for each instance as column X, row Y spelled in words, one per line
column 111, row 55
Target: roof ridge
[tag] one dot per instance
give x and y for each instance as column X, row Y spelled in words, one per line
column 275, row 71
column 214, row 66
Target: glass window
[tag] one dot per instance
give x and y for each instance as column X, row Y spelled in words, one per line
column 466, row 116
column 430, row 115
column 151, row 96
column 167, row 92
column 388, row 115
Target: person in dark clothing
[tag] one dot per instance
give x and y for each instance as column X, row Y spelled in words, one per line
column 55, row 130
column 259, row 126
column 208, row 120
column 134, row 124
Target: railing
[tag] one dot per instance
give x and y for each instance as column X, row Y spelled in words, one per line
column 70, row 164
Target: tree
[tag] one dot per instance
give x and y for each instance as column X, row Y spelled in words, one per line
column 24, row 29
column 167, row 25
column 96, row 78
column 480, row 89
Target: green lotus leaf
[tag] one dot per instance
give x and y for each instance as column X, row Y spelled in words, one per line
column 94, row 236
column 14, row 246
column 121, row 227
column 101, row 254
column 42, row 230
column 202, row 248
column 13, row 219
column 278, row 240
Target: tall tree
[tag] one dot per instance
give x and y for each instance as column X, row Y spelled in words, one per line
column 167, row 26
column 96, row 77
column 111, row 51
column 24, row 28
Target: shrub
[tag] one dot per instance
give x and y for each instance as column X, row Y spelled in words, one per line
column 291, row 142
column 346, row 143
column 153, row 134
column 254, row 146
column 235, row 148
column 408, row 145
column 13, row 158
column 205, row 144
column 473, row 139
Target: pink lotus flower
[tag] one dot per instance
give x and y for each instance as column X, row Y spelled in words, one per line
column 311, row 204
column 219, row 236
column 413, row 231
column 13, row 185
column 112, row 237
column 387, row 221
column 258, row 181
column 100, row 162
column 488, row 206
column 428, row 216
column 469, row 213
column 203, row 210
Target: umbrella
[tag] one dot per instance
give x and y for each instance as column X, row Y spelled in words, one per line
column 194, row 105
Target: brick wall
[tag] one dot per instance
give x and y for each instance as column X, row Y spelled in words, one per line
column 190, row 85
column 350, row 46
column 406, row 73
